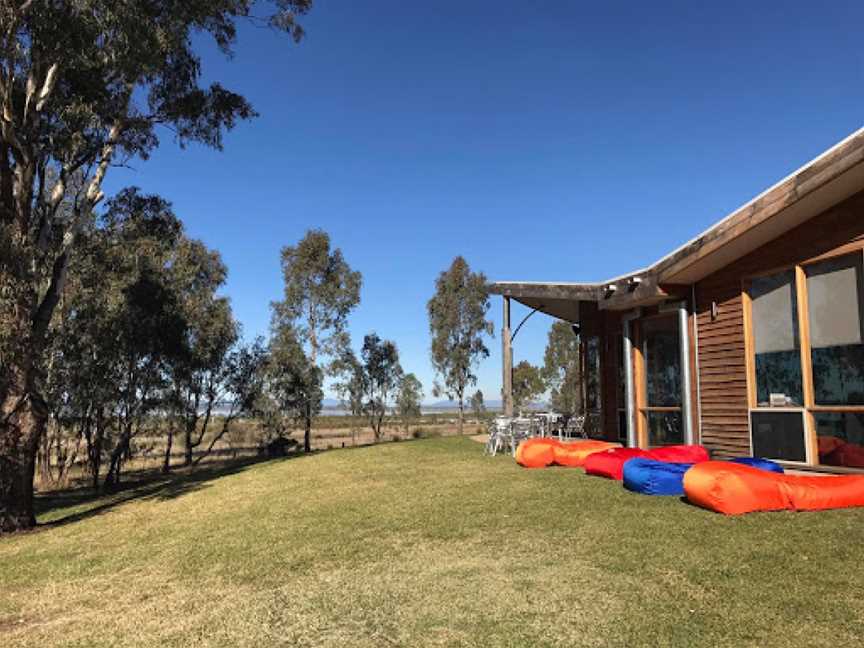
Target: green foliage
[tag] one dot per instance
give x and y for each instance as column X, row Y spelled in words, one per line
column 409, row 399
column 140, row 329
column 528, row 384
column 561, row 369
column 320, row 291
column 381, row 377
column 478, row 406
column 458, row 324
column 292, row 389
column 84, row 86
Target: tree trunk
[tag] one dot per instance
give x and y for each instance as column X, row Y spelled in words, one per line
column 307, row 434
column 461, row 417
column 166, row 464
column 95, row 454
column 23, row 417
column 187, row 450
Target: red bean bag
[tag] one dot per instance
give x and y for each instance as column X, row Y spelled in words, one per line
column 850, row 455
column 828, row 444
column 574, row 454
column 679, row 454
column 610, row 464
column 536, row 453
column 733, row 489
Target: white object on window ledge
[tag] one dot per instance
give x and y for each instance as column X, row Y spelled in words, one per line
column 778, row 400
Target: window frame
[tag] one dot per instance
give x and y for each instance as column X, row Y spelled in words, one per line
column 809, row 407
column 643, row 409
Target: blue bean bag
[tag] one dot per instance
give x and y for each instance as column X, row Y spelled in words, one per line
column 762, row 464
column 652, row 477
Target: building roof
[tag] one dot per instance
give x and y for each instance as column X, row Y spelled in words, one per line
column 833, row 176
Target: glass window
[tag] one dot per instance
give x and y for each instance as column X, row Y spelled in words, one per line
column 662, row 362
column 622, row 425
column 592, row 373
column 841, row 438
column 834, row 295
column 622, row 378
column 778, row 435
column 664, row 428
column 775, row 339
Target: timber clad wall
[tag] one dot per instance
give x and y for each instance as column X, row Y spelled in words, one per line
column 722, row 363
column 722, row 367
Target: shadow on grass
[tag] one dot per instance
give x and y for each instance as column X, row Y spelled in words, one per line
column 141, row 486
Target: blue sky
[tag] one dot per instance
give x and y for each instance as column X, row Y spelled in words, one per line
column 546, row 140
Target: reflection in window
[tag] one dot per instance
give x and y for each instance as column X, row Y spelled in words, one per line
column 834, row 294
column 775, row 339
column 841, row 438
column 664, row 428
column 778, row 435
column 622, row 390
column 662, row 362
column 592, row 386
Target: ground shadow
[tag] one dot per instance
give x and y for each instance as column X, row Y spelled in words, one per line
column 141, row 486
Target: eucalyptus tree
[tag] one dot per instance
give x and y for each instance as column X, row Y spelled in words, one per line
column 349, row 386
column 381, row 378
column 238, row 387
column 116, row 327
column 562, row 370
column 528, row 384
column 83, row 86
column 409, row 399
column 320, row 291
column 292, row 388
column 458, row 324
column 478, row 405
column 198, row 372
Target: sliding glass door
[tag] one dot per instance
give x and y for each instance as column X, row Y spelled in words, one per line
column 661, row 393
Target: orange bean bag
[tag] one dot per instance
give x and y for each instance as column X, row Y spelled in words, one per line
column 734, row 489
column 536, row 453
column 574, row 454
column 539, row 453
column 610, row 464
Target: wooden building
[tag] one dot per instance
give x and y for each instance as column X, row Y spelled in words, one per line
column 748, row 339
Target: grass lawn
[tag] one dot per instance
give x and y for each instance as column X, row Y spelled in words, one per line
column 424, row 543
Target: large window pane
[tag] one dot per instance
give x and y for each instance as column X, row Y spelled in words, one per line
column 834, row 295
column 775, row 339
column 841, row 438
column 664, row 428
column 662, row 362
column 778, row 435
column 592, row 373
column 593, row 422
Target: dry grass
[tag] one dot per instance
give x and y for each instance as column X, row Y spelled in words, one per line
column 423, row 543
